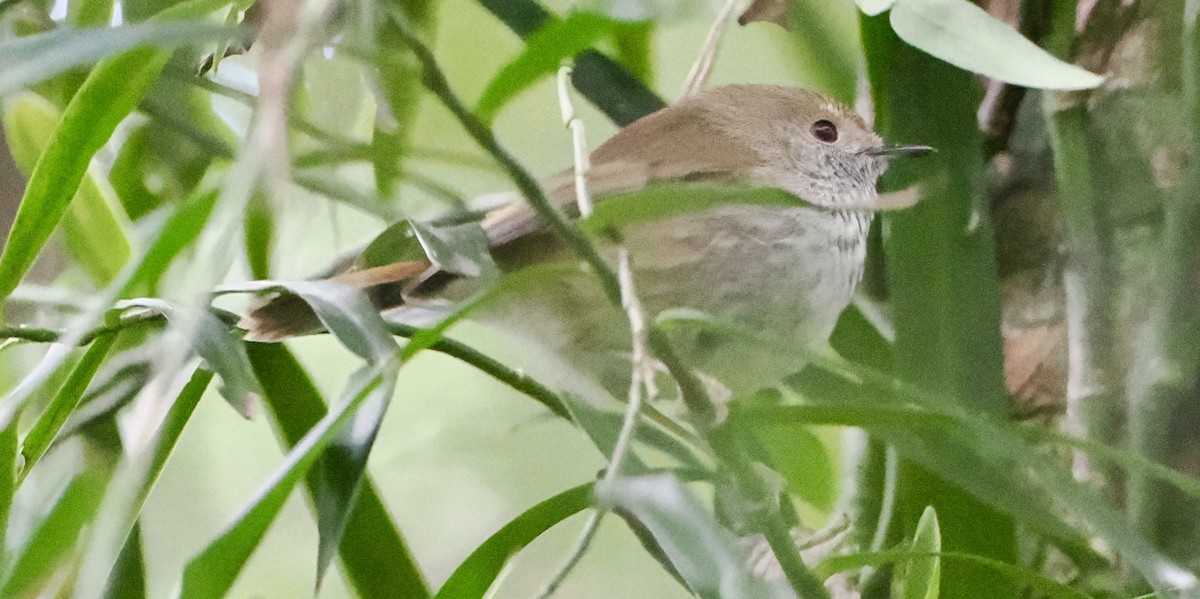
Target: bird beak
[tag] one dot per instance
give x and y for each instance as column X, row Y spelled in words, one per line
column 890, row 150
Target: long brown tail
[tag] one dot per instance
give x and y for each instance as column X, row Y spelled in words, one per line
column 284, row 315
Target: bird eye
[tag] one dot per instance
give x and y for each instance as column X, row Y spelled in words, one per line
column 825, row 131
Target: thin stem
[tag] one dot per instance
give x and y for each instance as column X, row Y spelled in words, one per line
column 44, row 335
column 521, row 382
column 698, row 76
column 578, row 142
column 642, row 370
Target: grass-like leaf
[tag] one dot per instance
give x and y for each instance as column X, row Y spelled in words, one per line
column 604, row 82
column 56, row 534
column 111, row 91
column 459, row 249
column 703, row 552
column 28, row 60
column 374, row 555
column 924, row 573
column 213, row 571
column 52, row 418
column 1020, row 574
column 967, row 37
column 475, row 575
column 130, row 488
column 545, row 50
column 225, row 355
column 94, row 237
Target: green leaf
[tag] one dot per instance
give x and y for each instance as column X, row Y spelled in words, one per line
column 184, row 225
column 56, row 534
column 111, row 91
column 803, row 460
column 613, row 90
column 397, row 243
column 52, row 418
column 374, row 555
column 461, row 249
column 1020, row 574
column 130, row 488
column 967, row 37
column 94, row 237
column 8, row 469
column 213, row 571
column 260, row 236
column 343, row 310
column 545, row 50
column 128, row 577
column 476, row 574
column 225, row 354
column 658, row 201
column 703, row 553
column 106, row 97
column 28, row 60
column 925, row 573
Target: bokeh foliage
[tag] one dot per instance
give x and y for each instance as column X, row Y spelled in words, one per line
column 175, row 153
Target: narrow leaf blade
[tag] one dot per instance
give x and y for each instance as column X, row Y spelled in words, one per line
column 967, row 37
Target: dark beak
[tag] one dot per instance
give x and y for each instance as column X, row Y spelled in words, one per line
column 899, row 150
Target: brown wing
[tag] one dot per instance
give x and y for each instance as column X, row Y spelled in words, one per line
column 679, row 142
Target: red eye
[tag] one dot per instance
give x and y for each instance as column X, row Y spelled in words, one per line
column 825, row 131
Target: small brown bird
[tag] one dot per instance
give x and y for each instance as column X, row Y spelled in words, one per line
column 782, row 273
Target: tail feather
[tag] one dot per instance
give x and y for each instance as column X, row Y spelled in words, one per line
column 283, row 315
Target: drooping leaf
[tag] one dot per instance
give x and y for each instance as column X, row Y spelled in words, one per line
column 924, row 573
column 52, row 418
column 94, row 237
column 461, row 249
column 212, row 572
column 967, row 37
column 225, row 355
column 110, row 92
column 343, row 310
column 27, row 60
column 545, row 50
column 476, row 574
column 703, row 553
column 56, row 534
column 375, row 557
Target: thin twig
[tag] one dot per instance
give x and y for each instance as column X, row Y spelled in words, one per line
column 642, row 374
column 708, row 55
column 44, row 335
column 578, row 142
column 518, row 381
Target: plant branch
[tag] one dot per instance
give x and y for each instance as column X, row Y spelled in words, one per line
column 45, row 335
column 518, row 381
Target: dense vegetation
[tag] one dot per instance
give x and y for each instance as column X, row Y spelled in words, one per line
column 1012, row 411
